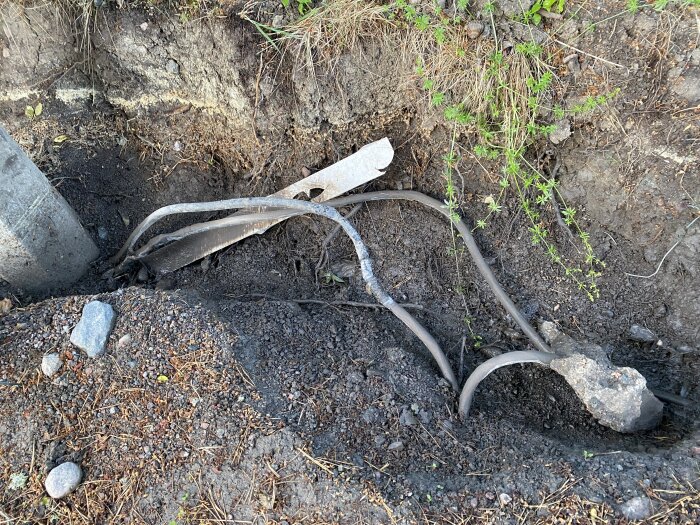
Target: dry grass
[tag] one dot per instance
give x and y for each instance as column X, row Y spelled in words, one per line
column 324, row 33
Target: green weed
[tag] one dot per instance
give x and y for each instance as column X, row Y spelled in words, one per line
column 534, row 14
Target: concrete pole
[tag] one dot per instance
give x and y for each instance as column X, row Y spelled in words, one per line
column 43, row 246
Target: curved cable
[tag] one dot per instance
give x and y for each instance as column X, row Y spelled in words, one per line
column 484, row 369
column 329, row 212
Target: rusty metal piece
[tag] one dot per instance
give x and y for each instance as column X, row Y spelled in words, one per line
column 335, row 180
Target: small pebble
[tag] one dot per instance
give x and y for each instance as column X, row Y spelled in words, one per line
column 504, row 498
column 639, row 508
column 124, row 342
column 639, row 333
column 63, row 480
column 144, row 26
column 5, row 305
column 562, row 131
column 142, row 276
column 172, row 67
column 474, row 29
column 407, row 418
column 50, row 364
column 102, row 233
column 92, row 331
column 396, row 445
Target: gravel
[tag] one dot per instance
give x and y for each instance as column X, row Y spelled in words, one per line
column 244, row 377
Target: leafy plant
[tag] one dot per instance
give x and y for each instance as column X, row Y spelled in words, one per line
column 303, row 6
column 534, row 14
column 31, row 112
column 329, row 278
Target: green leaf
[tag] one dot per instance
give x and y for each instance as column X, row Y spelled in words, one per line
column 438, row 98
column 29, row 112
column 422, row 22
column 38, row 109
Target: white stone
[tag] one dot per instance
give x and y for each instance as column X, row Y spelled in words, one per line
column 63, row 480
column 50, row 364
column 504, row 498
column 637, row 508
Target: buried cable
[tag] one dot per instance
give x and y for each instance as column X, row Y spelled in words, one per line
column 323, row 210
column 544, row 356
column 484, row 369
column 415, row 196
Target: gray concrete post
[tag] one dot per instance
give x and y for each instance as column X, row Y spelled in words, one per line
column 43, row 246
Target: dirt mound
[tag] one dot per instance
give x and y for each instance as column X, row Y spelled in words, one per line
column 294, row 413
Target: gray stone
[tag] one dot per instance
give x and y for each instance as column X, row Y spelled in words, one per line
column 42, row 243
column 172, row 67
column 639, row 508
column 396, row 446
column 616, row 396
column 124, row 342
column 50, row 364
column 92, row 331
column 63, row 480
column 688, row 86
column 474, row 29
column 504, row 498
column 639, row 333
column 371, row 415
column 561, row 132
column 407, row 418
column 564, row 345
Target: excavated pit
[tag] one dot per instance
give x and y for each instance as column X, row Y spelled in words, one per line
column 168, row 114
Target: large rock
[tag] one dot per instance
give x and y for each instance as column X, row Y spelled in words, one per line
column 42, row 243
column 617, row 397
column 92, row 331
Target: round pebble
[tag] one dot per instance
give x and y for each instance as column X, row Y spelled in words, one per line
column 124, row 342
column 639, row 508
column 50, row 364
column 63, row 480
